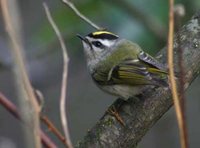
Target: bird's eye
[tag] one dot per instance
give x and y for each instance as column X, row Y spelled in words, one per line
column 97, row 44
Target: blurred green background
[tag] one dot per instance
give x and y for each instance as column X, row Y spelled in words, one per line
column 144, row 22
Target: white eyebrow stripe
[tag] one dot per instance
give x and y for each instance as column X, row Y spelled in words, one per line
column 107, row 43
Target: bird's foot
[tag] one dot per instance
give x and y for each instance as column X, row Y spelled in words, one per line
column 113, row 112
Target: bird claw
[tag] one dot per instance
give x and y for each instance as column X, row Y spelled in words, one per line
column 113, row 112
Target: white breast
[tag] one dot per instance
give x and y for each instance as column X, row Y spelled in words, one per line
column 122, row 91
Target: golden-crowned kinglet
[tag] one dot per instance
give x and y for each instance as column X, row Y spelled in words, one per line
column 119, row 66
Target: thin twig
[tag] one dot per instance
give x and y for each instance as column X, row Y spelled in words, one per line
column 64, row 77
column 47, row 121
column 9, row 106
column 28, row 105
column 45, row 139
column 172, row 76
column 78, row 13
column 52, row 128
column 179, row 13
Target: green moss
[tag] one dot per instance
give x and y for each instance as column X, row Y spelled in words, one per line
column 109, row 122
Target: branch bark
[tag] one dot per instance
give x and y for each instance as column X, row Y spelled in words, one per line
column 142, row 113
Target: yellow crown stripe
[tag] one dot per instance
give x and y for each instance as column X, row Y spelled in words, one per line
column 103, row 32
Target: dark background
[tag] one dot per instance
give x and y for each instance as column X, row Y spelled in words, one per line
column 86, row 103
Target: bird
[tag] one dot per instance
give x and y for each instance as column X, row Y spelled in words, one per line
column 119, row 66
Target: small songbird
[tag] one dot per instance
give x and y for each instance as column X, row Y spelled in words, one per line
column 119, row 66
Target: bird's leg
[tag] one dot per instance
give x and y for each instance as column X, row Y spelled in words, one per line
column 113, row 112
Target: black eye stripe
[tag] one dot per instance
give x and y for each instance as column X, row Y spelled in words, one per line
column 97, row 44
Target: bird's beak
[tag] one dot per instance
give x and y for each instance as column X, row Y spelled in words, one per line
column 82, row 38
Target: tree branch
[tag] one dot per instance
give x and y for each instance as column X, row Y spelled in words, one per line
column 29, row 108
column 53, row 129
column 142, row 113
column 63, row 114
column 79, row 14
column 179, row 12
column 172, row 79
column 9, row 106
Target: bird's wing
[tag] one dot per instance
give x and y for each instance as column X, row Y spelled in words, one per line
column 133, row 72
column 150, row 60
